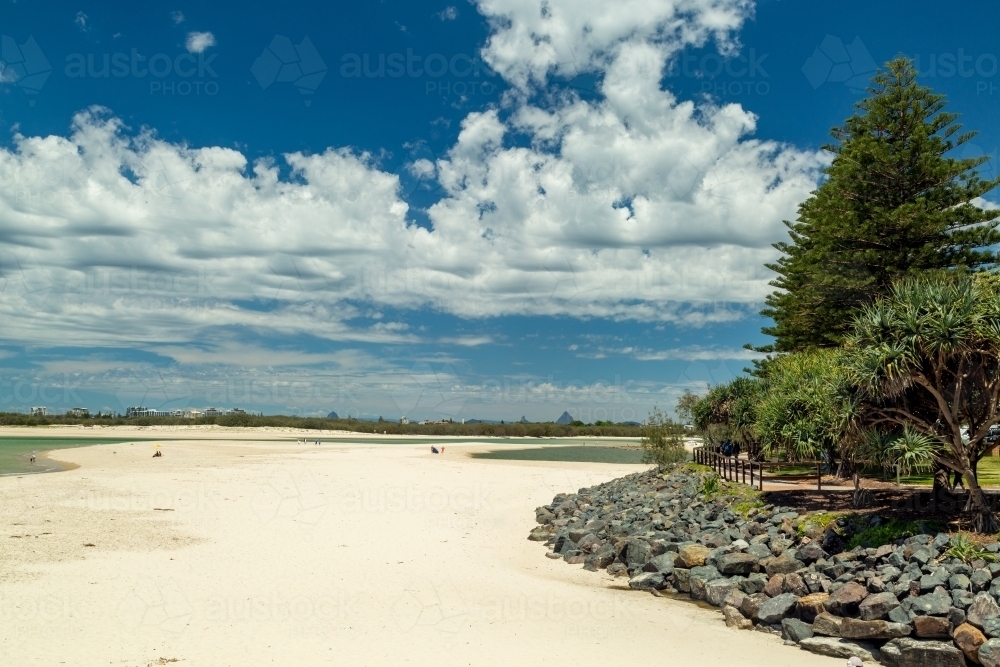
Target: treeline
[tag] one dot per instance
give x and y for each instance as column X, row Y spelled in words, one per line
column 887, row 314
column 512, row 430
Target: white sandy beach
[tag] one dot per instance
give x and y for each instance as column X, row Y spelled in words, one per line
column 232, row 551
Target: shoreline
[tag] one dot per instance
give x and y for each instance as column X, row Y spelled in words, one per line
column 202, row 555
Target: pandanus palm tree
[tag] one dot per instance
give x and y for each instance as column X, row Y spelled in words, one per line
column 926, row 358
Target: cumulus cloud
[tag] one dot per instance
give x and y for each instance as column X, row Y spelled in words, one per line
column 197, row 42
column 177, row 17
column 636, row 206
column 449, row 13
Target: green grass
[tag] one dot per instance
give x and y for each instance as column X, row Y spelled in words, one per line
column 988, row 473
column 891, row 531
column 566, row 454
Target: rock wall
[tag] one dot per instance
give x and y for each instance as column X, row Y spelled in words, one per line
column 771, row 571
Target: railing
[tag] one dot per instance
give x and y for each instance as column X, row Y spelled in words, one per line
column 735, row 469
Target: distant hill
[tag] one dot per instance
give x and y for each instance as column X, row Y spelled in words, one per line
column 566, row 418
column 332, row 415
column 524, row 420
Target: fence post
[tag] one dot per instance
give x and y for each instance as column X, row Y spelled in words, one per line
column 819, row 476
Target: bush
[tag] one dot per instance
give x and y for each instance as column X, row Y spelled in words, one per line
column 889, row 532
column 662, row 440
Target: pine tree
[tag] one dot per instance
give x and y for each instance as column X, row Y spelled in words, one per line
column 892, row 204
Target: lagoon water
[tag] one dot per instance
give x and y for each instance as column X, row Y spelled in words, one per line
column 15, row 452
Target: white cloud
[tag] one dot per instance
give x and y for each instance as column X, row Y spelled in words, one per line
column 177, row 17
column 634, row 206
column 197, row 42
column 449, row 13
column 81, row 21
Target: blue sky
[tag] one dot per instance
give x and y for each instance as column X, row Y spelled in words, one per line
column 468, row 210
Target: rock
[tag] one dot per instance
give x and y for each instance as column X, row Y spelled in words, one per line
column 693, row 555
column 929, row 582
column 717, row 590
column 751, row 603
column 956, row 617
column 933, row 604
column 601, row 558
column 827, row 624
column 648, row 581
column 853, row 628
column 663, row 563
column 899, row 615
column 990, row 625
column 840, row 648
column 959, row 582
column 734, row 619
column 989, row 653
column 636, row 552
column 968, row 638
column 983, row 605
column 755, row 583
column 735, row 598
column 795, row 630
column 783, row 564
column 701, row 576
column 812, row 552
column 980, row 579
column 794, row 584
column 618, row 570
column 846, row 600
column 775, row 585
column 736, row 563
column 909, row 652
column 922, row 554
column 810, row 606
column 777, row 608
column 877, row 606
column 682, row 579
column 932, row 626
column 539, row 534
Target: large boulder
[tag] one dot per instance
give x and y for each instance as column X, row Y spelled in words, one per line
column 751, row 604
column 701, row 576
column 794, row 584
column 845, row 601
column 827, row 624
column 795, row 630
column 777, row 608
column 810, row 606
column 663, row 563
column 693, row 555
column 853, row 628
column 636, row 552
column 648, row 581
column 600, row 559
column 989, row 653
column 812, row 552
column 909, row 652
column 877, row 606
column 734, row 619
column 983, row 605
column 932, row 627
column 775, row 586
column 783, row 564
column 682, row 579
column 840, row 648
column 717, row 590
column 968, row 638
column 933, row 604
column 735, row 563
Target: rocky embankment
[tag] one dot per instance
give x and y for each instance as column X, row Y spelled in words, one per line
column 775, row 570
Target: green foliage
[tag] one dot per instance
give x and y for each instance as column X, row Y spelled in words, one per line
column 806, row 407
column 965, row 550
column 818, row 522
column 728, row 411
column 892, row 205
column 927, row 359
column 685, row 406
column 889, row 532
column 662, row 440
column 711, row 486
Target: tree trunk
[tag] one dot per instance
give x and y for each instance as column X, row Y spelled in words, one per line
column 862, row 497
column 983, row 518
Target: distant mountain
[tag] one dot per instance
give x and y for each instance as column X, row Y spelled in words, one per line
column 566, row 418
column 524, row 420
column 332, row 415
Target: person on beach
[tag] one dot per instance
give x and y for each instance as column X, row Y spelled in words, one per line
column 442, row 449
column 32, row 459
column 434, row 450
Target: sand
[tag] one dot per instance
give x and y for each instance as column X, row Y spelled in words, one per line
column 232, row 551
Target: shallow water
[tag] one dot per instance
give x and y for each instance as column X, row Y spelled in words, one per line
column 586, row 454
column 15, row 453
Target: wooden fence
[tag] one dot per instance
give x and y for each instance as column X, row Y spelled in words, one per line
column 735, row 469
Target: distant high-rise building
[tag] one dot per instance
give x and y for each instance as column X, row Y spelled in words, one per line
column 39, row 412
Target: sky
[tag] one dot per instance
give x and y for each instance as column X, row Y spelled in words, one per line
column 465, row 210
